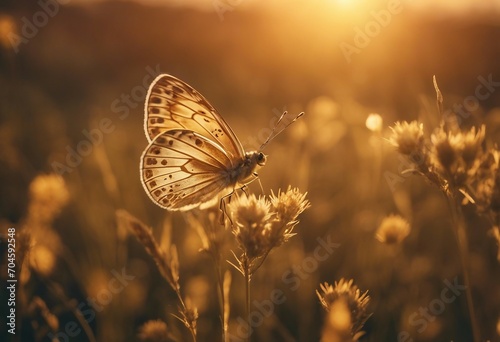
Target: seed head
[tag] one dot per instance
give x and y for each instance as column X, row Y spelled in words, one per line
column 286, row 206
column 260, row 224
column 357, row 302
column 392, row 230
column 408, row 138
column 251, row 216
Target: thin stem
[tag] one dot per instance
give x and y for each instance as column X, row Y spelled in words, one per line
column 220, row 293
column 261, row 260
column 461, row 236
column 246, row 267
column 190, row 327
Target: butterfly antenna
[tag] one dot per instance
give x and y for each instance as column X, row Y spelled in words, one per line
column 273, row 132
column 261, row 187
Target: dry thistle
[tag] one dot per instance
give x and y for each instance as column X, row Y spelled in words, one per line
column 408, row 138
column 261, row 225
column 287, row 206
column 251, row 216
column 456, row 155
column 337, row 326
column 392, row 230
column 486, row 186
column 453, row 164
column 357, row 303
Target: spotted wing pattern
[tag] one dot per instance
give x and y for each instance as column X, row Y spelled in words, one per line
column 173, row 104
column 181, row 169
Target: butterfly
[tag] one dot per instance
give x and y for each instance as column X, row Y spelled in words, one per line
column 193, row 157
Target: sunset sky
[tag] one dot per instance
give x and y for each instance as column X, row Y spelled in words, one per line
column 451, row 6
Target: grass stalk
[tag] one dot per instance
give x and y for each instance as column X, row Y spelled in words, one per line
column 463, row 250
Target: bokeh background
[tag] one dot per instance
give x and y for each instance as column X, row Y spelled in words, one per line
column 82, row 63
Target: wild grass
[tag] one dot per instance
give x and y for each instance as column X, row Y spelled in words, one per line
column 406, row 194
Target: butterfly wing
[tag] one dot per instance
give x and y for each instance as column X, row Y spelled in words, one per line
column 181, row 169
column 173, row 104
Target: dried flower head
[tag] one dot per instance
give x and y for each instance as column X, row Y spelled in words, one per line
column 392, row 230
column 260, row 224
column 445, row 150
column 337, row 327
column 286, row 206
column 251, row 216
column 154, row 331
column 408, row 138
column 486, row 184
column 357, row 302
column 456, row 155
column 472, row 142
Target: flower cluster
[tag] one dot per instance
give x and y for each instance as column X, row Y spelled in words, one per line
column 261, row 224
column 344, row 294
column 451, row 161
column 408, row 138
column 456, row 155
column 457, row 162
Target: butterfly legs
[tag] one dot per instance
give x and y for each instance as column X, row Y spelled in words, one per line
column 223, row 205
column 223, row 208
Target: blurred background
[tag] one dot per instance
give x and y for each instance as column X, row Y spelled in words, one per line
column 73, row 78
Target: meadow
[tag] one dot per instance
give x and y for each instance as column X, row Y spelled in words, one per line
column 375, row 218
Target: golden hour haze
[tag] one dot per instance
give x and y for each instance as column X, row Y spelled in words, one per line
column 250, row 171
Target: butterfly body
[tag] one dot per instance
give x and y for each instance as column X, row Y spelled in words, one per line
column 245, row 171
column 193, row 157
